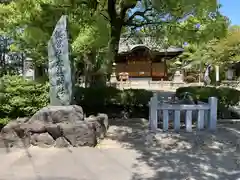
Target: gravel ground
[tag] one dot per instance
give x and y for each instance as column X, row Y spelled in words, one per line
column 131, row 152
column 197, row 155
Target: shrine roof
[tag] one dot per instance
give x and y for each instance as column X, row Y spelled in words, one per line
column 128, row 44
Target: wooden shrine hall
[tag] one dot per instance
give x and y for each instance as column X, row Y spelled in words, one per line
column 144, row 60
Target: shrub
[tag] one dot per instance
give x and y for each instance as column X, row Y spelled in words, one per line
column 20, row 97
column 135, row 97
column 226, row 96
column 103, row 99
column 93, row 97
column 3, row 122
column 190, row 79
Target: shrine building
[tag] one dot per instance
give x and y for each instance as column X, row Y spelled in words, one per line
column 144, row 60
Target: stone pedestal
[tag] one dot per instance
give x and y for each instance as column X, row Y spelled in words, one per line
column 59, row 126
column 28, row 70
column 178, row 77
column 113, row 78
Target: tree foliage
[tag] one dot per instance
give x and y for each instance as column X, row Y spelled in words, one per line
column 97, row 24
column 221, row 51
column 31, row 23
column 163, row 14
column 227, row 50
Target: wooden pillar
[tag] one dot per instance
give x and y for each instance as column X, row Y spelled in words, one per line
column 151, row 64
column 165, row 67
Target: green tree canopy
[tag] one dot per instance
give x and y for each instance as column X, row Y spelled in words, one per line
column 219, row 51
column 227, row 50
column 30, row 23
column 95, row 22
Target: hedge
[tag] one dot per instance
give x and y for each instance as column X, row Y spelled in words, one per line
column 226, row 96
column 111, row 100
column 22, row 98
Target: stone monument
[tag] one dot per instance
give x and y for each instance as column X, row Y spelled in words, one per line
column 59, row 69
column 61, row 124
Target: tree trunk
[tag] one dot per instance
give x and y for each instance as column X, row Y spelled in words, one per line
column 113, row 44
column 92, row 78
column 40, row 74
column 116, row 21
column 87, row 68
column 79, row 66
column 98, row 80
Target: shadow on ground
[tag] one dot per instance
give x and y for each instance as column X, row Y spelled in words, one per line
column 175, row 156
column 52, row 178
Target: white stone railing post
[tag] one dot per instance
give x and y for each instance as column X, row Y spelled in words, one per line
column 213, row 101
column 153, row 112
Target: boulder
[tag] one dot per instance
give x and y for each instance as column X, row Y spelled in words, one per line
column 42, row 140
column 99, row 123
column 59, row 126
column 14, row 136
column 79, row 134
column 11, row 139
column 61, row 142
column 54, row 130
column 16, row 126
column 58, row 114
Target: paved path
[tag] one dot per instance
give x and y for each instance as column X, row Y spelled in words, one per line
column 133, row 154
column 68, row 164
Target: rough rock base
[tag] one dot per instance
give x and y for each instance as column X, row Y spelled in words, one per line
column 59, row 126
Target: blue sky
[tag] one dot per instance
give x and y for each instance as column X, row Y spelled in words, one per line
column 231, row 9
